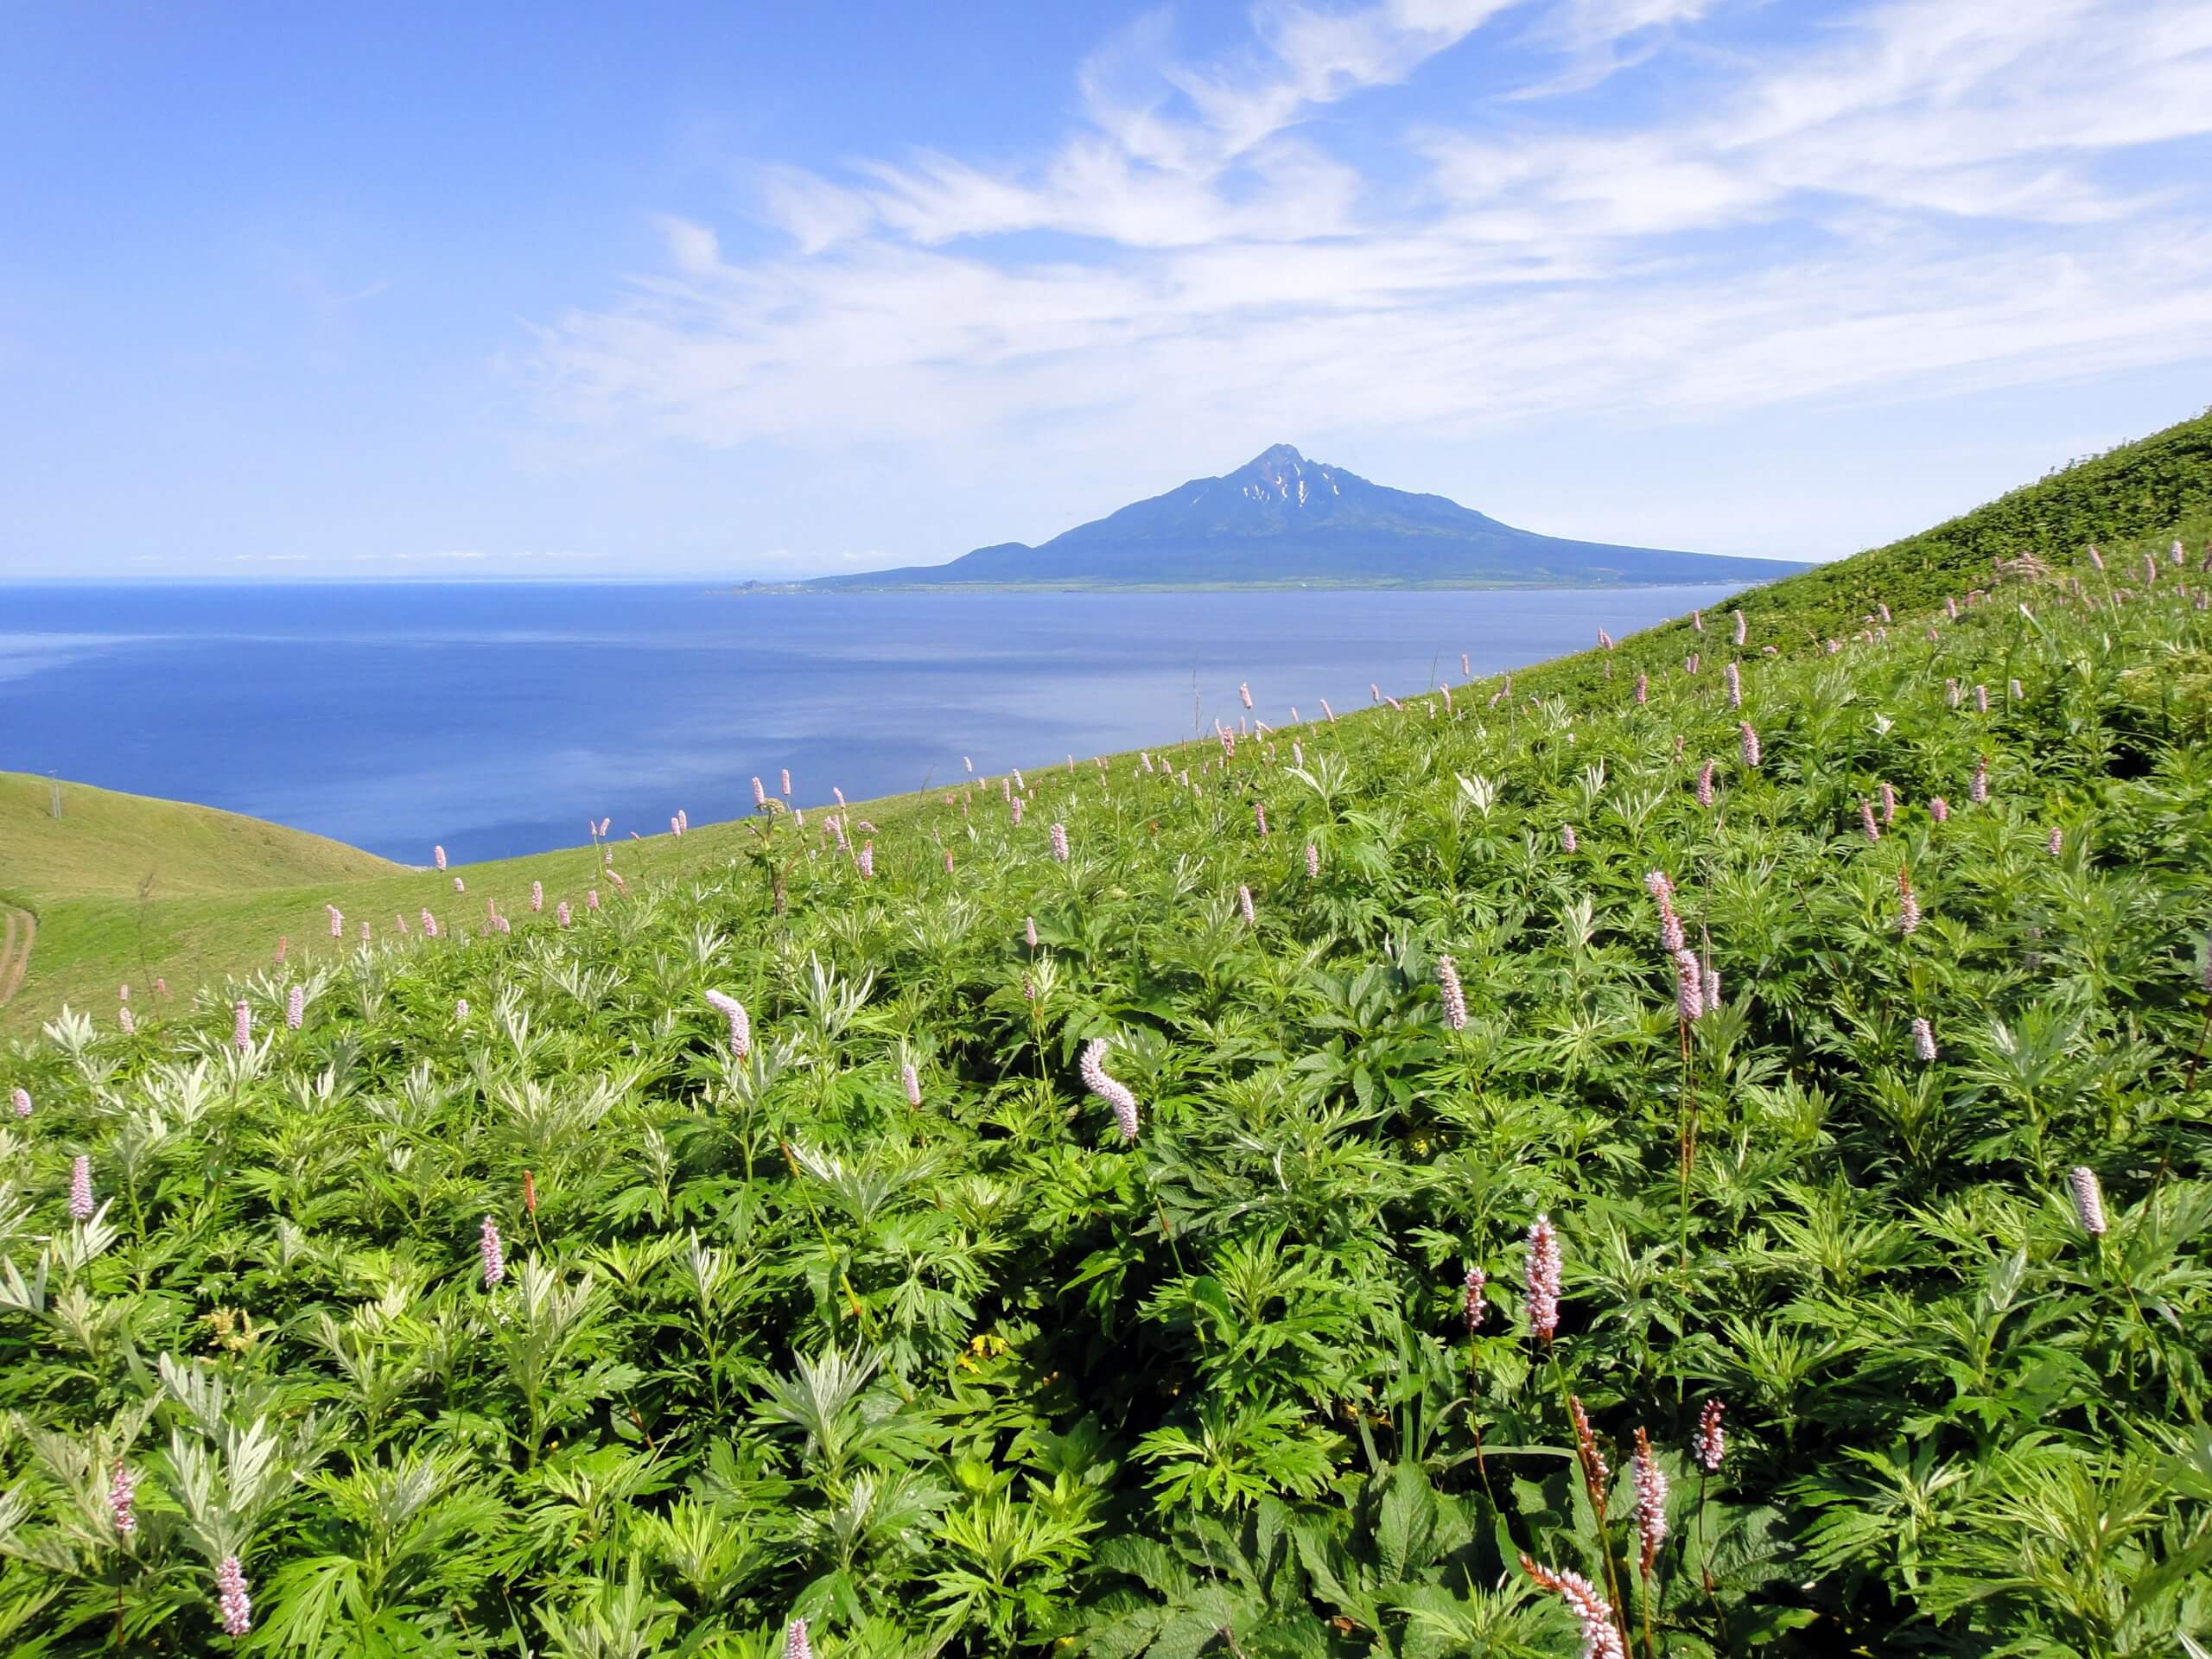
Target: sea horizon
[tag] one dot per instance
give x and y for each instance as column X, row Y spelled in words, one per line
column 495, row 717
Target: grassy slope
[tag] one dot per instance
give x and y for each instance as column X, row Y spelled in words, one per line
column 201, row 871
column 200, row 926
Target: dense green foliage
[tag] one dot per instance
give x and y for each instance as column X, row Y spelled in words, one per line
column 2157, row 486
column 975, row 1377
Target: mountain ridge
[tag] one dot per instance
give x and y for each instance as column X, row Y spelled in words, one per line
column 1283, row 520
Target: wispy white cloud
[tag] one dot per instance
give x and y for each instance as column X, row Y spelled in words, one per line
column 1943, row 195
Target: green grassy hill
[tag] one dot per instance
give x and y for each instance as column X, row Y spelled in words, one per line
column 224, row 889
column 1314, row 1198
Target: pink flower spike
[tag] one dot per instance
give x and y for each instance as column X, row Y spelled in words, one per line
column 795, row 1646
column 1923, row 1041
column 296, row 1004
column 230, row 1596
column 21, row 1099
column 1115, row 1095
column 1544, row 1270
column 1712, row 1439
column 122, row 1495
column 537, row 896
column 1750, row 744
column 741, row 1026
column 241, row 1027
column 1601, row 1639
column 1313, row 861
column 1455, row 1001
column 488, row 1250
column 1472, row 1303
column 912, row 1081
column 1939, row 809
column 337, row 922
column 2088, row 1200
column 1244, row 905
column 1567, row 841
column 561, row 912
column 438, row 856
column 1059, row 837
column 80, row 1188
column 1650, row 1482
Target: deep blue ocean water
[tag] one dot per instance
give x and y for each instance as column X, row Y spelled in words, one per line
column 496, row 718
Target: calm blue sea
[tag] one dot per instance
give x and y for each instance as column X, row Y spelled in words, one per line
column 496, row 718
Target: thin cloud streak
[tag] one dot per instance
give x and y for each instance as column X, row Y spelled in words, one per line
column 1940, row 197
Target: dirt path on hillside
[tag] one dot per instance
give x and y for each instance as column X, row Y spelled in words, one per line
column 17, row 928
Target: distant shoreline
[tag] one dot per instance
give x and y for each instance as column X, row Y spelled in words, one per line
column 846, row 588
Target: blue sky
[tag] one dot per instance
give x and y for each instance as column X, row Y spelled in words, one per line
column 415, row 291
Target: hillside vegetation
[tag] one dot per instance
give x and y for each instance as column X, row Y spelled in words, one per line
column 1613, row 1172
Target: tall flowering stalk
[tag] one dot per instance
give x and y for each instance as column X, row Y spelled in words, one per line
column 1544, row 1268
column 2088, row 1200
column 438, row 856
column 122, row 1498
column 561, row 913
column 123, row 1018
column 1978, row 791
column 1567, row 841
column 759, row 794
column 1952, row 694
column 1060, row 835
column 1312, row 862
column 241, row 1027
column 1244, row 905
column 1750, row 739
column 230, row 1596
column 493, row 1257
column 1643, row 690
column 1472, row 1298
column 784, row 778
column 1711, row 1447
column 1873, row 832
column 1114, row 1094
column 1601, row 1638
column 80, row 1188
column 1940, row 809
column 429, row 925
column 1924, row 1040
column 1455, row 999
column 795, row 1646
column 1907, row 905
column 296, row 1007
column 1705, row 785
column 2057, row 844
column 741, row 1028
column 1245, row 691
column 1889, row 803
column 337, row 922
column 911, row 1081
column 1982, row 699
column 1259, row 818
column 537, row 897
column 1689, row 989
column 1733, row 677
column 20, row 1099
column 1650, row 1504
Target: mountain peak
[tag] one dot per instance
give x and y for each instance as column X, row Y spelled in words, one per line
column 1283, row 518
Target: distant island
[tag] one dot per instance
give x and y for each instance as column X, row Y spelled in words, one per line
column 1283, row 521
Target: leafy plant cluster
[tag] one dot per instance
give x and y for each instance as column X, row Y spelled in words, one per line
column 504, row 1306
